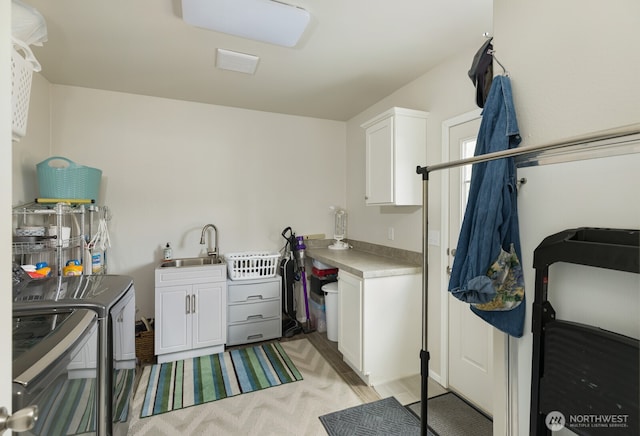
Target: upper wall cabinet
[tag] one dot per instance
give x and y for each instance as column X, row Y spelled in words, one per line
column 396, row 145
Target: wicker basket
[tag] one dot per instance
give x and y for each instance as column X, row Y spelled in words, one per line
column 251, row 265
column 144, row 346
column 69, row 180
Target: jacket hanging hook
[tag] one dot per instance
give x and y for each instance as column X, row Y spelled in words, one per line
column 492, row 52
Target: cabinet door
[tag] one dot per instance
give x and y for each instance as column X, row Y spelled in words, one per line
column 173, row 320
column 124, row 329
column 350, row 304
column 379, row 188
column 209, row 314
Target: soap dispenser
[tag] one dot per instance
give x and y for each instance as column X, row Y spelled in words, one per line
column 168, row 252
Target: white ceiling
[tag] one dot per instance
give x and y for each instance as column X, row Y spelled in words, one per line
column 354, row 52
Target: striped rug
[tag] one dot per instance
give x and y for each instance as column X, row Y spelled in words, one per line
column 185, row 383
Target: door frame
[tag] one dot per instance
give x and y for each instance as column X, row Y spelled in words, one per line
column 505, row 394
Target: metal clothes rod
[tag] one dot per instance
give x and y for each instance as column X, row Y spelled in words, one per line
column 523, row 150
column 424, row 353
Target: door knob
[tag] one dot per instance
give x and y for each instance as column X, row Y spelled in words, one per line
column 22, row 420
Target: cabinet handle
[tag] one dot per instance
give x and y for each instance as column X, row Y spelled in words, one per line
column 254, row 297
column 258, row 336
column 254, row 317
column 193, row 304
column 188, row 303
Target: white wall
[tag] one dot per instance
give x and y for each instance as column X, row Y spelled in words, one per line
column 574, row 69
column 170, row 167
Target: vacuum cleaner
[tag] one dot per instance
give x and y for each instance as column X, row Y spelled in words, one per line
column 292, row 269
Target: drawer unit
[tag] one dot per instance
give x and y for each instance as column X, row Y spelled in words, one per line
column 255, row 290
column 254, row 310
column 254, row 331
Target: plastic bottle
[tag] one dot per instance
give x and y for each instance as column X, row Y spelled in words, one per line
column 168, row 252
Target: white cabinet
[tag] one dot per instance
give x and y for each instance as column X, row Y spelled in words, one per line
column 190, row 312
column 254, row 310
column 396, row 143
column 380, row 330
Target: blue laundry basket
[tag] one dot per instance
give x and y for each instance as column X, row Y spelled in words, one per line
column 59, row 177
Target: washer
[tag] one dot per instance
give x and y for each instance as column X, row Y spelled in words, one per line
column 112, row 299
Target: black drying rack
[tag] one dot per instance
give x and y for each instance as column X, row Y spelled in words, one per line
column 578, row 369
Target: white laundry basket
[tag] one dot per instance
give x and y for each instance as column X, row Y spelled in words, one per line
column 23, row 64
column 251, row 265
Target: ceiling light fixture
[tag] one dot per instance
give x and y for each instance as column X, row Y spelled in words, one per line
column 234, row 61
column 262, row 20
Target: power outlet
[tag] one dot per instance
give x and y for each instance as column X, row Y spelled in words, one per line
column 315, row 236
column 391, row 233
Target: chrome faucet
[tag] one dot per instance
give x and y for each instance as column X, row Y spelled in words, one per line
column 215, row 249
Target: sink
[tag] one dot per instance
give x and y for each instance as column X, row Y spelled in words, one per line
column 192, row 261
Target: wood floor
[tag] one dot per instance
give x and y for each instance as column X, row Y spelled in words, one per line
column 329, row 350
column 406, row 391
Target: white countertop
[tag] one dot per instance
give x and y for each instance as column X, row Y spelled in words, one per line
column 363, row 264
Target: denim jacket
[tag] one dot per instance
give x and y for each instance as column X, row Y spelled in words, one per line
column 491, row 218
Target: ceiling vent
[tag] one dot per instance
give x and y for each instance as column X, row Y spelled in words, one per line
column 234, row 61
column 261, row 20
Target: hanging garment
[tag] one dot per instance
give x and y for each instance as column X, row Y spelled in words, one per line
column 481, row 72
column 486, row 269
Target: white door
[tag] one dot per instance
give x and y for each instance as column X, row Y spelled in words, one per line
column 470, row 338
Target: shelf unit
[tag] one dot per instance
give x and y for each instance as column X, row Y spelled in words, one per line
column 79, row 218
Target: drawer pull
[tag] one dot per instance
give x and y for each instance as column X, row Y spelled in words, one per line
column 254, row 317
column 258, row 336
column 254, row 297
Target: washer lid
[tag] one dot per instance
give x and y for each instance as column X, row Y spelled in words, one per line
column 59, row 333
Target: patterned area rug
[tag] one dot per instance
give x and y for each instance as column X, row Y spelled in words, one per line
column 386, row 417
column 184, row 383
column 291, row 409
